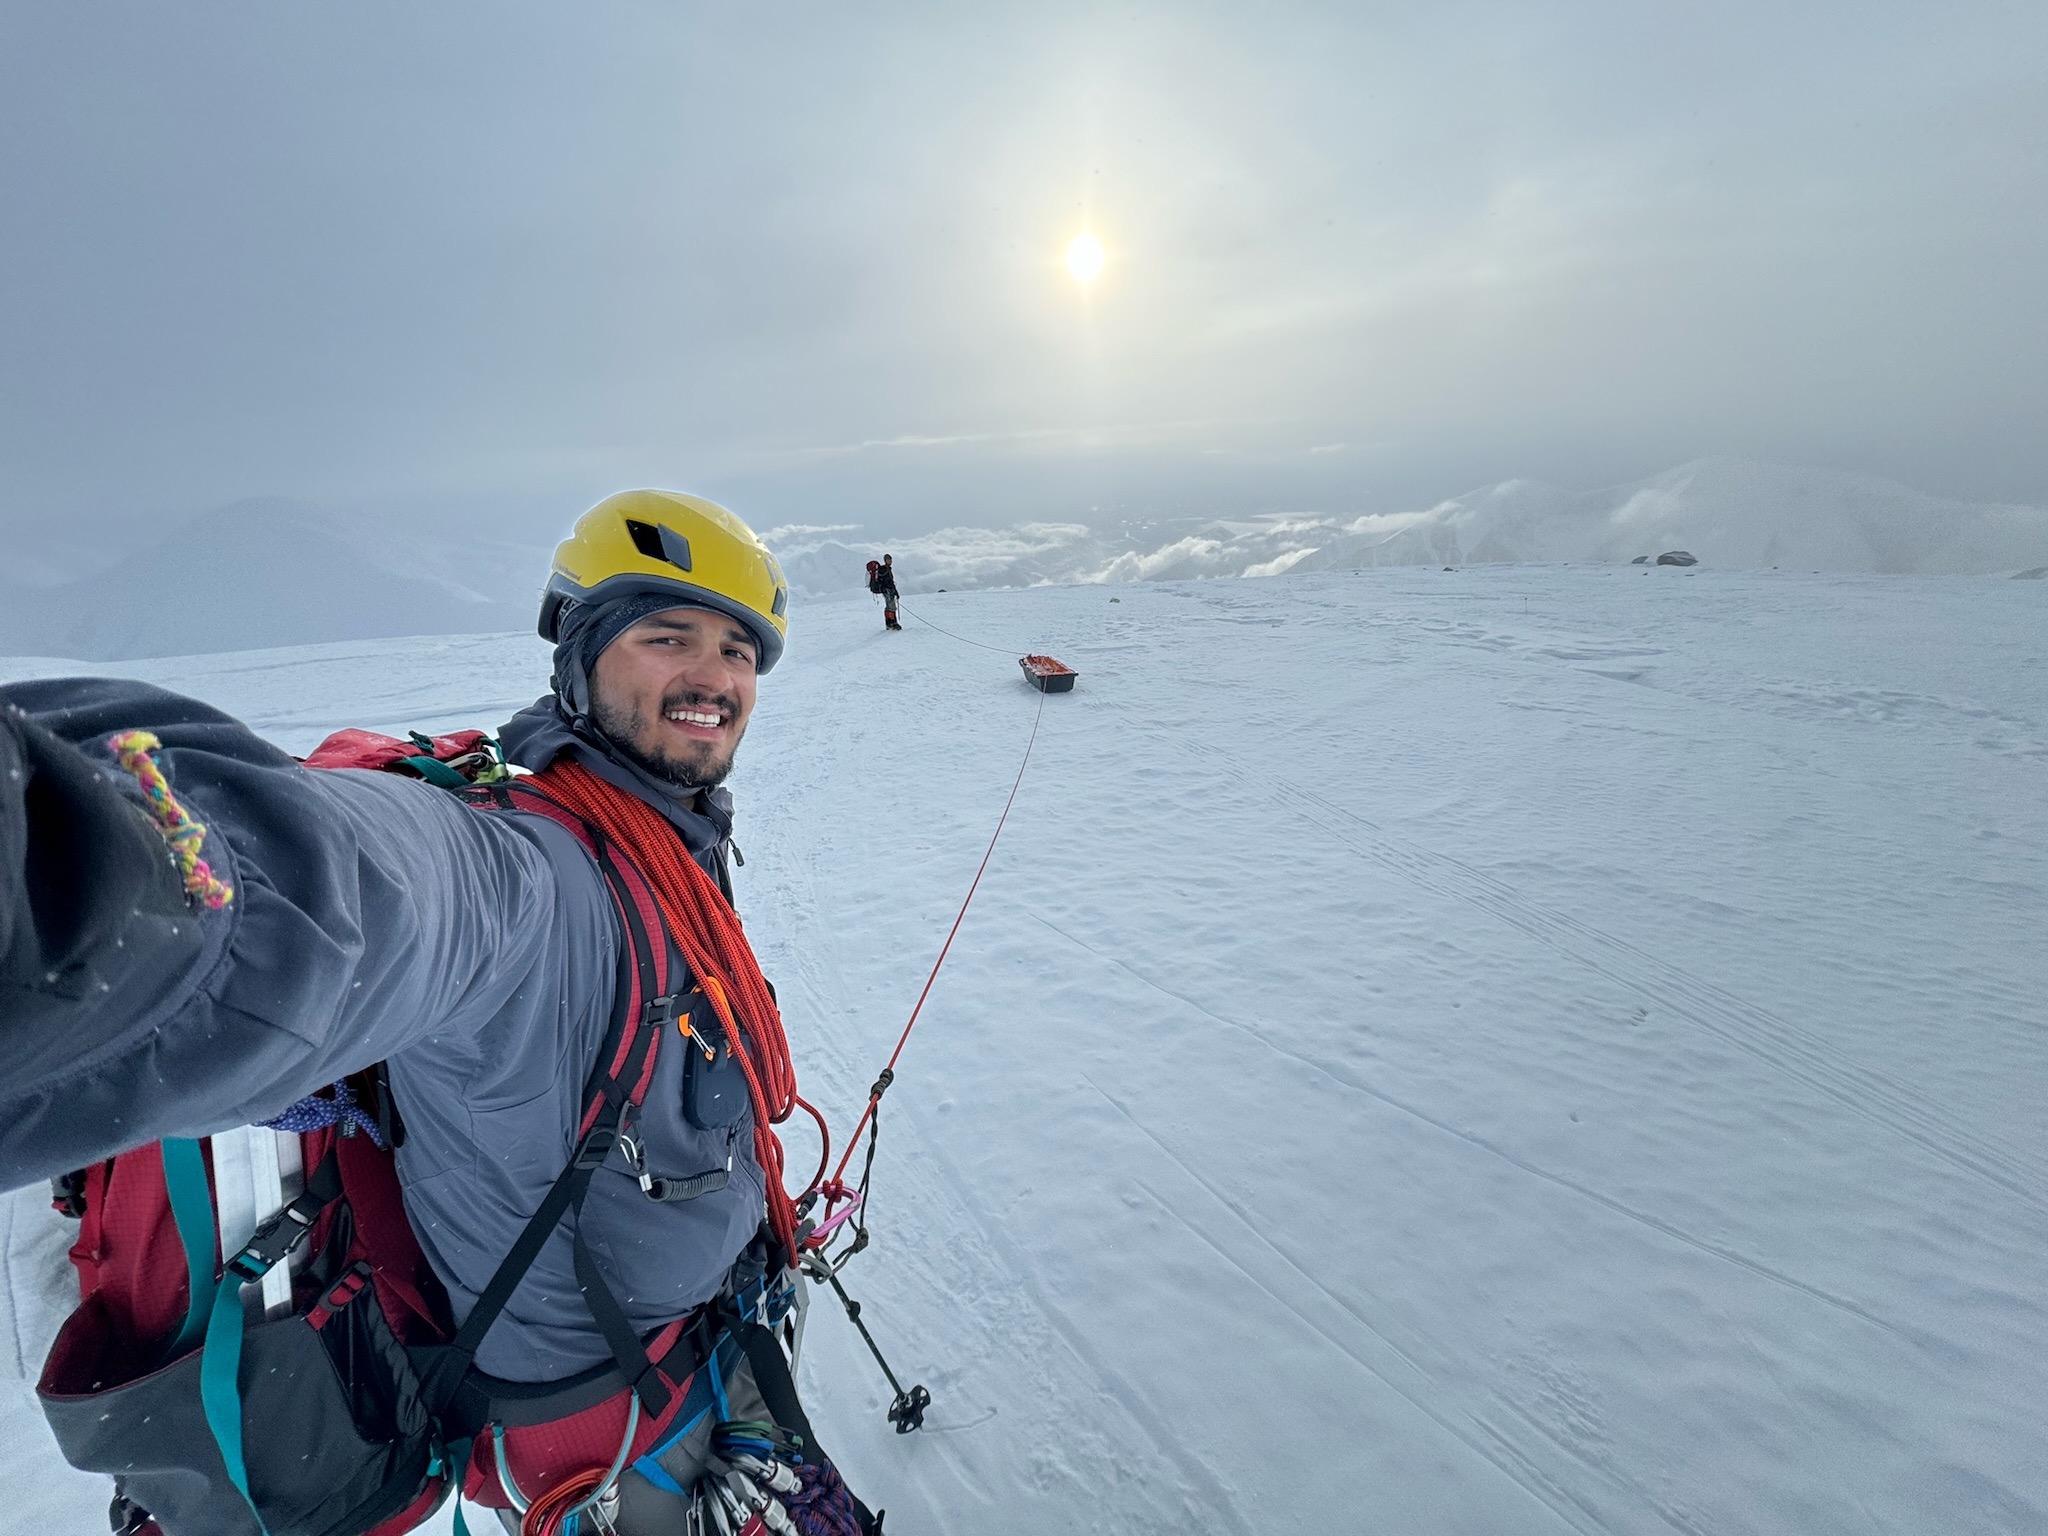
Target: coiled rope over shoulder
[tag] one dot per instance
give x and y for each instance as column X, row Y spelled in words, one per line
column 706, row 929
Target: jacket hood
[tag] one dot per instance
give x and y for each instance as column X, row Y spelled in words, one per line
column 543, row 731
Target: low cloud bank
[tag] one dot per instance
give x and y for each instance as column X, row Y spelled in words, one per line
column 274, row 573
column 1730, row 513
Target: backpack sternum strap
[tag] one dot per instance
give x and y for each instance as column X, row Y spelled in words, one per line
column 285, row 1229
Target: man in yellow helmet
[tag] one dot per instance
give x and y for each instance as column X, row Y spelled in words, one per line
column 664, row 610
column 485, row 962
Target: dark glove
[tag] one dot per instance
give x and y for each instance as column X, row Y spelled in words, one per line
column 93, row 918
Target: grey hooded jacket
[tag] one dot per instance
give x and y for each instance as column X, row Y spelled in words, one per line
column 374, row 918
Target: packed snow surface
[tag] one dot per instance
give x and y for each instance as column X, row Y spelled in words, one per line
column 1507, row 1050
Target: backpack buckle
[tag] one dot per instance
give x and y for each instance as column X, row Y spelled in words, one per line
column 275, row 1238
column 596, row 1145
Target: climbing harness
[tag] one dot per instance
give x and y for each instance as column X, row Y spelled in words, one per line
column 595, row 1492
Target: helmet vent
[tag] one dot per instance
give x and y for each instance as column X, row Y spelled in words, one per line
column 657, row 542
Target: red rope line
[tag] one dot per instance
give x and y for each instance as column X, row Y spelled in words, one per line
column 875, row 1097
column 706, row 929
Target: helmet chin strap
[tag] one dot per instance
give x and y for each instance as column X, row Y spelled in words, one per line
column 574, row 693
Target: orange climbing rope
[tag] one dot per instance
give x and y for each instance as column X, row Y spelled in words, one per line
column 708, row 932
column 706, row 929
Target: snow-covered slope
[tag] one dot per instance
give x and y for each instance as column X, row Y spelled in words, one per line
column 266, row 573
column 1507, row 1050
column 1729, row 512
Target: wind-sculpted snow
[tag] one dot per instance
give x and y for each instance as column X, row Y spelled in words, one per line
column 1730, row 513
column 1514, row 1049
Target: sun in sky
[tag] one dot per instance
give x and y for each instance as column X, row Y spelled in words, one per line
column 1084, row 258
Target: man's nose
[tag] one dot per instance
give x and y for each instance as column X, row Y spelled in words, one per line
column 701, row 670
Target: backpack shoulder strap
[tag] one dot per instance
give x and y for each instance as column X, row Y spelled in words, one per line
column 618, row 1081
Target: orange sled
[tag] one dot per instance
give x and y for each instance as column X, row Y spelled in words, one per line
column 1048, row 675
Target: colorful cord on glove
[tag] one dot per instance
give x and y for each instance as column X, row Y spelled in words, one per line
column 185, row 836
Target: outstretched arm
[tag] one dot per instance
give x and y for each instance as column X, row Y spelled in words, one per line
column 369, row 911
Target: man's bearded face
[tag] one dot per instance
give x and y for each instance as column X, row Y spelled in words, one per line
column 674, row 693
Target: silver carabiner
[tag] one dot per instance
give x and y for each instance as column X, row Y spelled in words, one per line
column 636, row 1160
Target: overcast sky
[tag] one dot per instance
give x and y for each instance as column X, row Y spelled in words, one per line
column 807, row 257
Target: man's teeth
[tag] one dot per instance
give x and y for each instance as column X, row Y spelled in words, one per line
column 707, row 717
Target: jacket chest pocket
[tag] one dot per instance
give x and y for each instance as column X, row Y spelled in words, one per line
column 714, row 1084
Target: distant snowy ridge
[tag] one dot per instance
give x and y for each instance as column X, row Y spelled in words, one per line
column 266, row 573
column 275, row 573
column 1728, row 512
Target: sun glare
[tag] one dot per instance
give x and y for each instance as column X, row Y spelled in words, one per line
column 1084, row 258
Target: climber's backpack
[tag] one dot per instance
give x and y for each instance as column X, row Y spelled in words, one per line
column 341, row 1400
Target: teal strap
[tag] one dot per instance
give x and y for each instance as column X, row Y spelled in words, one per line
column 458, row 1474
column 436, row 772
column 215, row 1312
column 192, row 1209
column 220, row 1380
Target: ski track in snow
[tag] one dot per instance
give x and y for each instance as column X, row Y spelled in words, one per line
column 1762, row 1034
column 1510, row 1050
column 1358, row 1085
column 1503, row 1455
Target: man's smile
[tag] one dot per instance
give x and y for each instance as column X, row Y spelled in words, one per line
column 698, row 719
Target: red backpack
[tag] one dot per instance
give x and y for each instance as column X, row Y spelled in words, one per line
column 338, row 1399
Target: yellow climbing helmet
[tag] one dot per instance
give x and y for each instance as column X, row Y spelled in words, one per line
column 666, row 541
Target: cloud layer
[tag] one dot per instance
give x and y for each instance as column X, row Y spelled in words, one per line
column 468, row 258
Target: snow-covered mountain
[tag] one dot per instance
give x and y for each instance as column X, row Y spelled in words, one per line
column 270, row 573
column 264, row 573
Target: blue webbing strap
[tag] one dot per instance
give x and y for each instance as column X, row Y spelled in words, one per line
column 718, row 1391
column 192, row 1210
column 657, row 1474
column 694, row 1392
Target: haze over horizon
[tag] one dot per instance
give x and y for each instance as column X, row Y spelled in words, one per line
column 471, row 260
